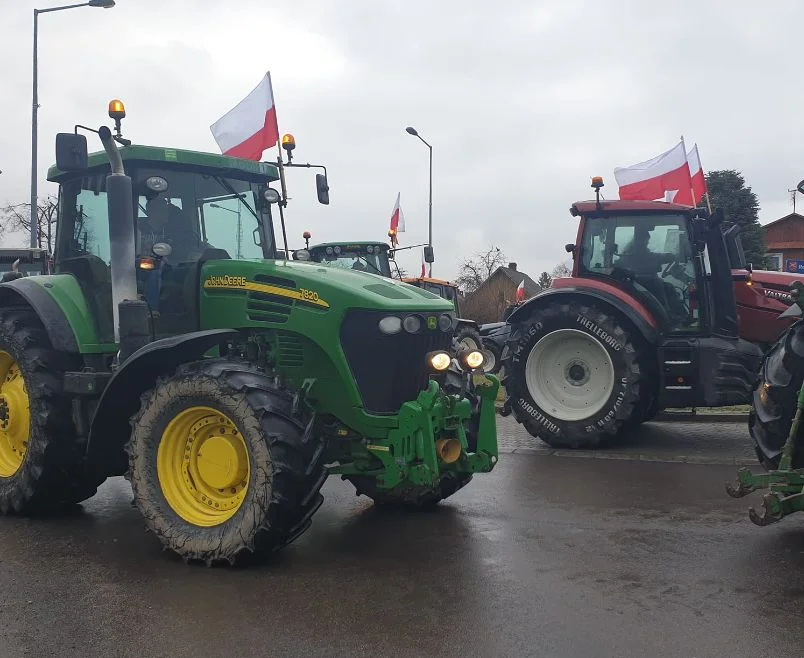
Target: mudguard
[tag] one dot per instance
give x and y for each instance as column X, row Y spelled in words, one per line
column 638, row 319
column 58, row 328
column 120, row 400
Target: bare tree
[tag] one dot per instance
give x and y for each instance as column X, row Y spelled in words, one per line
column 16, row 218
column 562, row 270
column 475, row 270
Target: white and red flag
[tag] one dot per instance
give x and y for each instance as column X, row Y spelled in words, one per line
column 520, row 291
column 397, row 222
column 423, row 274
column 250, row 127
column 697, row 175
column 650, row 180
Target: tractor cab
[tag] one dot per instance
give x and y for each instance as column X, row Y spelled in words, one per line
column 439, row 287
column 189, row 208
column 371, row 257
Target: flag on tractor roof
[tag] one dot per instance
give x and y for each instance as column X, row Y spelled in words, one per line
column 520, row 291
column 250, row 127
column 397, row 222
column 650, row 180
column 423, row 274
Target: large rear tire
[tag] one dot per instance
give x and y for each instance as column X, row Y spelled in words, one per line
column 41, row 458
column 224, row 463
column 572, row 375
column 774, row 399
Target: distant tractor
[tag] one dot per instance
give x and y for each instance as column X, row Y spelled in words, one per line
column 375, row 258
column 225, row 389
column 660, row 312
column 16, row 262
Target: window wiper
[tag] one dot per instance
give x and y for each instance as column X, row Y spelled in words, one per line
column 372, row 265
column 226, row 185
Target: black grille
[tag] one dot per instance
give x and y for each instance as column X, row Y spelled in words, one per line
column 388, row 369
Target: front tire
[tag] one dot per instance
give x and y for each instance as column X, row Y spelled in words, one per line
column 774, row 399
column 572, row 375
column 41, row 459
column 468, row 337
column 409, row 496
column 223, row 463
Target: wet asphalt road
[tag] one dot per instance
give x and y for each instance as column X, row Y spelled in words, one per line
column 637, row 554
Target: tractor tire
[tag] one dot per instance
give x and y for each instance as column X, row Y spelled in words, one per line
column 412, row 497
column 572, row 375
column 224, row 462
column 493, row 358
column 774, row 399
column 41, row 458
column 469, row 337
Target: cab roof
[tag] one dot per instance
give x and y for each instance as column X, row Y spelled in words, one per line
column 428, row 279
column 617, row 205
column 168, row 157
column 347, row 245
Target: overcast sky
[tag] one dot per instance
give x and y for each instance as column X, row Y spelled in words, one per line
column 522, row 100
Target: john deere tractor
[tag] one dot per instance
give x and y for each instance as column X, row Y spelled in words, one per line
column 226, row 389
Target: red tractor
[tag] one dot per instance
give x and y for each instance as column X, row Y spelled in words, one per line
column 661, row 311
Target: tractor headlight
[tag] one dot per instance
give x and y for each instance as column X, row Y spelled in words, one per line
column 412, row 324
column 472, row 359
column 764, row 398
column 156, row 183
column 369, row 249
column 444, row 322
column 439, row 361
column 390, row 324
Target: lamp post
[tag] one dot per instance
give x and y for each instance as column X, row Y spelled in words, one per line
column 104, row 4
column 412, row 131
column 239, row 254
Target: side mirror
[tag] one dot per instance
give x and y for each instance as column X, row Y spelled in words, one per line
column 322, row 188
column 569, row 248
column 71, row 152
column 429, row 256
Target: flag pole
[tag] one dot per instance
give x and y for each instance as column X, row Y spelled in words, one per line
column 692, row 191
column 281, row 166
column 706, row 187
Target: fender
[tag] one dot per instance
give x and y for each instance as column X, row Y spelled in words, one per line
column 120, row 400
column 58, row 328
column 623, row 303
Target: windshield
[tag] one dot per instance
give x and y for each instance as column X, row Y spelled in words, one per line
column 193, row 213
column 365, row 258
column 652, row 253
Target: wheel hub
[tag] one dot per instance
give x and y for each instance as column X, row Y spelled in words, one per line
column 569, row 375
column 203, row 466
column 15, row 416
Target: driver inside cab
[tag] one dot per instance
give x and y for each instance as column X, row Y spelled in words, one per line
column 167, row 223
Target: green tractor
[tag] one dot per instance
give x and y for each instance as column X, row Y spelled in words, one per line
column 225, row 389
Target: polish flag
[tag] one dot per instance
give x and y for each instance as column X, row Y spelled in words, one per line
column 650, row 180
column 520, row 291
column 249, row 127
column 397, row 222
column 423, row 274
column 697, row 174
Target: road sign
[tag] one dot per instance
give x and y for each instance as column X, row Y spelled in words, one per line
column 795, row 266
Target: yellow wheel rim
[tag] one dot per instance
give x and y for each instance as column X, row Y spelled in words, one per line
column 15, row 416
column 203, row 467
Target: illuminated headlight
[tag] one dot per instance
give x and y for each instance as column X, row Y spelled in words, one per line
column 439, row 361
column 156, row 183
column 412, row 324
column 473, row 360
column 764, row 398
column 444, row 322
column 390, row 324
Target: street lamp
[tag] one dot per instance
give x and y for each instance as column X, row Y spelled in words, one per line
column 239, row 254
column 104, row 4
column 412, row 131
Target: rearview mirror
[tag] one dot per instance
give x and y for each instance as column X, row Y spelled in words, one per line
column 322, row 188
column 429, row 256
column 71, row 152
